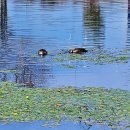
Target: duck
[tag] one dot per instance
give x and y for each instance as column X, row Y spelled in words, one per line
column 78, row 50
column 42, row 52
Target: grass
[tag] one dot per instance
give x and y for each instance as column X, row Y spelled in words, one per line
column 89, row 105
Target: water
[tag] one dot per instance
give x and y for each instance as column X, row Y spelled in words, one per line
column 65, row 126
column 29, row 25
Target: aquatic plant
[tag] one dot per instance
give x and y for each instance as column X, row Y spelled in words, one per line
column 89, row 105
column 101, row 58
column 8, row 71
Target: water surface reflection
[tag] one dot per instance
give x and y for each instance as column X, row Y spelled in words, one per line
column 94, row 27
column 29, row 25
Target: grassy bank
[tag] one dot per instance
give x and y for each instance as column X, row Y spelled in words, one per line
column 89, row 105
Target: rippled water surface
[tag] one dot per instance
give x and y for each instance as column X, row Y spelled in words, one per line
column 29, row 25
column 58, row 25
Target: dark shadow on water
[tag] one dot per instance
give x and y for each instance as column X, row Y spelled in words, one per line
column 33, row 75
column 128, row 26
column 32, row 72
column 43, row 3
column 93, row 24
column 51, row 3
column 3, row 20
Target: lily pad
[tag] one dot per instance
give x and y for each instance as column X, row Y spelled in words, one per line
column 89, row 105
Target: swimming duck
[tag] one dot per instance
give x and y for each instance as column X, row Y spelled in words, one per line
column 78, row 50
column 42, row 52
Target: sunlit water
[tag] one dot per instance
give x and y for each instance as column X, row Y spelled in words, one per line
column 29, row 25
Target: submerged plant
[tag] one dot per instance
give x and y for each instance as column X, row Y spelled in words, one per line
column 8, row 71
column 89, row 105
column 101, row 58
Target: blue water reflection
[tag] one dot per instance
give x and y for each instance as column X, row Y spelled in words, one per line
column 64, row 126
column 28, row 25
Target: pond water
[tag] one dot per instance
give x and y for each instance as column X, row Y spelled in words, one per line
column 29, row 25
column 64, row 126
column 55, row 25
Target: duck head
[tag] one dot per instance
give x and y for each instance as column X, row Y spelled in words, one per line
column 42, row 52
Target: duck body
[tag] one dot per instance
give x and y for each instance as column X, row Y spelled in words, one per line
column 78, row 50
column 42, row 52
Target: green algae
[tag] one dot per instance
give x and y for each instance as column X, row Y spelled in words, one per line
column 8, row 71
column 89, row 105
column 69, row 66
column 93, row 56
column 104, row 59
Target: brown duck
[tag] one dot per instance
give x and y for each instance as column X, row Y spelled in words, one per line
column 78, row 50
column 42, row 52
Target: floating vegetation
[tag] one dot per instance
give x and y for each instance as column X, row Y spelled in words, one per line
column 34, row 56
column 97, row 59
column 69, row 66
column 88, row 105
column 93, row 56
column 100, row 57
column 8, row 71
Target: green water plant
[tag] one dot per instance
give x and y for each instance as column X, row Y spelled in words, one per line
column 89, row 105
column 8, row 71
column 97, row 59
